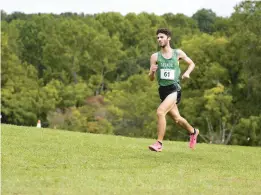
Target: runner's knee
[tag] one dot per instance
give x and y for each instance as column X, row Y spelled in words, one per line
column 161, row 112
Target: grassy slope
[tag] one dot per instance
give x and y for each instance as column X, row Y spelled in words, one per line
column 44, row 161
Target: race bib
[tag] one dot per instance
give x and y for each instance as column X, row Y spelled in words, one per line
column 167, row 74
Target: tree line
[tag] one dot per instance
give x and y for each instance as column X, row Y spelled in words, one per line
column 89, row 73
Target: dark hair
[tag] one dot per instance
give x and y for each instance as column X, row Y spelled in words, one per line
column 164, row 31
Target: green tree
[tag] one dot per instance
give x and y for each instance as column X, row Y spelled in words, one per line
column 19, row 88
column 205, row 19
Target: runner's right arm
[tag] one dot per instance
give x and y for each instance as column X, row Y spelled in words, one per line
column 153, row 66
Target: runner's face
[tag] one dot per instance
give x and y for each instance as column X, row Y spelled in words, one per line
column 163, row 40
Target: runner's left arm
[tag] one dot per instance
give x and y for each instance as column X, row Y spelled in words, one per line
column 182, row 55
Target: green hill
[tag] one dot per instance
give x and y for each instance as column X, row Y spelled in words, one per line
column 46, row 161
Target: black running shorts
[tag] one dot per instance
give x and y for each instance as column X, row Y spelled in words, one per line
column 164, row 91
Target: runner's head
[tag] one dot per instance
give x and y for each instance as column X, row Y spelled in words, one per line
column 163, row 37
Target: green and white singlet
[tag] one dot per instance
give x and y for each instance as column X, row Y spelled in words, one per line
column 168, row 71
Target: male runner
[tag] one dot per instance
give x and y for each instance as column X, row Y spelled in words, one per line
column 165, row 66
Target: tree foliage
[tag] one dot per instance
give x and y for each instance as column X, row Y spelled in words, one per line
column 88, row 73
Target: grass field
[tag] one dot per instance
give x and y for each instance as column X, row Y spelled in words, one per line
column 44, row 161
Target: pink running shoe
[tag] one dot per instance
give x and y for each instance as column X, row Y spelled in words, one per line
column 157, row 147
column 193, row 139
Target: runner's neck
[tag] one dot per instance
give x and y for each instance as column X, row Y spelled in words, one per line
column 166, row 50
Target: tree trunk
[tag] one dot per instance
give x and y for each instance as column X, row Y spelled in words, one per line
column 223, row 132
column 101, row 85
column 74, row 74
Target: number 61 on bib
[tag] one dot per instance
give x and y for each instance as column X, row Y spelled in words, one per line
column 167, row 74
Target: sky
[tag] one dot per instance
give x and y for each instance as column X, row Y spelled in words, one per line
column 188, row 7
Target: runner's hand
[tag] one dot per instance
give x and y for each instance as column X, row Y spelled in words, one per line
column 153, row 68
column 185, row 76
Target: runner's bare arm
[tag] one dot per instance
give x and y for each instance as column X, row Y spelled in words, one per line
column 183, row 56
column 153, row 66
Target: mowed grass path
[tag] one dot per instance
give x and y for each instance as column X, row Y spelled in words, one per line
column 44, row 161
